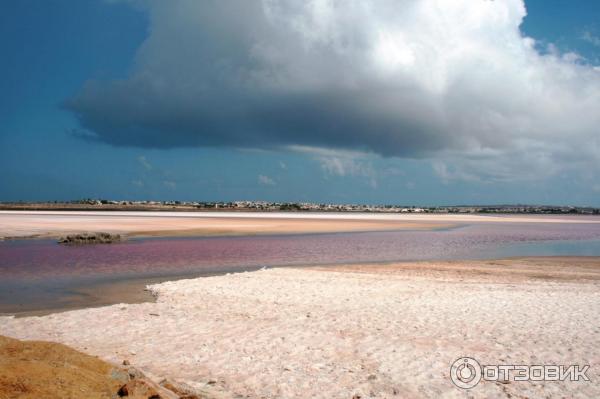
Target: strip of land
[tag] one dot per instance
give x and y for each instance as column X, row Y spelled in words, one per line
column 153, row 224
column 54, row 224
column 377, row 331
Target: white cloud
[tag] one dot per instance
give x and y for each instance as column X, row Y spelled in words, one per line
column 448, row 173
column 455, row 81
column 170, row 184
column 591, row 38
column 266, row 180
column 342, row 163
column 144, row 162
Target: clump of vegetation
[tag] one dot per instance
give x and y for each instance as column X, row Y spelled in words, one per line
column 89, row 238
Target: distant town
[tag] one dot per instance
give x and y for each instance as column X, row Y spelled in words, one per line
column 265, row 206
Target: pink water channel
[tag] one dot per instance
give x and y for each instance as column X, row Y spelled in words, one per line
column 42, row 267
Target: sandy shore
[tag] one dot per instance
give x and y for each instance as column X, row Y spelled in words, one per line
column 378, row 331
column 14, row 224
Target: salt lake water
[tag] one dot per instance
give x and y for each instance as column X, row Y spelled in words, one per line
column 38, row 272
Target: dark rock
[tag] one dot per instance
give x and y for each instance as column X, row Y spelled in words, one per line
column 89, row 238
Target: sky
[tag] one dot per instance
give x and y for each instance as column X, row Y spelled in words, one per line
column 413, row 102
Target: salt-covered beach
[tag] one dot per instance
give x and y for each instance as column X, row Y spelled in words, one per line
column 364, row 331
column 27, row 224
column 41, row 224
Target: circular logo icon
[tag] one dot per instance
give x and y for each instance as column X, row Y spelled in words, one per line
column 465, row 372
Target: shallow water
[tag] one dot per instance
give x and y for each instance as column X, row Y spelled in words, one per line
column 40, row 271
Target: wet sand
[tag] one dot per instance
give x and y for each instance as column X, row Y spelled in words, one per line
column 378, row 331
column 131, row 290
column 87, row 296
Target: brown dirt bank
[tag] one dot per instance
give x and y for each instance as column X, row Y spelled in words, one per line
column 40, row 369
column 35, row 369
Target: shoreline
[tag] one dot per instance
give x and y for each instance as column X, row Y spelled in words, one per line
column 141, row 224
column 339, row 331
column 134, row 290
column 52, row 225
column 130, row 290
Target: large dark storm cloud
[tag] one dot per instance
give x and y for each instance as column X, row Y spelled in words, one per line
column 140, row 116
column 398, row 78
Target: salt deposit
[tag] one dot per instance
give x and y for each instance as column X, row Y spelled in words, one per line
column 393, row 332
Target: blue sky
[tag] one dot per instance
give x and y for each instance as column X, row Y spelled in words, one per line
column 104, row 99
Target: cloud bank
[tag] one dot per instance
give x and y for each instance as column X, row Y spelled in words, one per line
column 452, row 80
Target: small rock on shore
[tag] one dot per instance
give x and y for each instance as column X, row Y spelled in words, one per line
column 89, row 238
